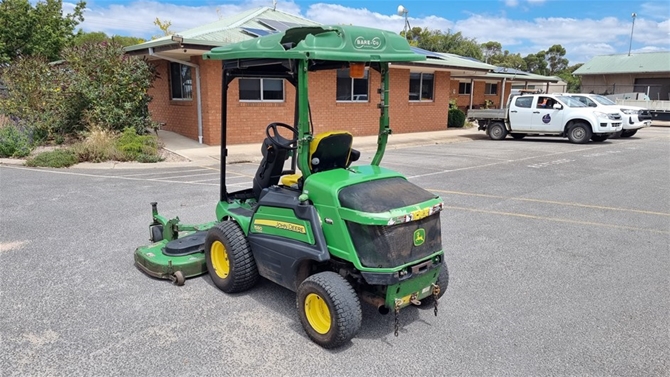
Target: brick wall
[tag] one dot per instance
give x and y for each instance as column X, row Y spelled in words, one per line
column 479, row 97
column 247, row 120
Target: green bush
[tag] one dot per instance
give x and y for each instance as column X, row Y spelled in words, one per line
column 14, row 142
column 134, row 147
column 58, row 158
column 96, row 85
column 456, row 118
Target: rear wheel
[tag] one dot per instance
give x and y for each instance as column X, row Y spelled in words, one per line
column 230, row 262
column 600, row 137
column 517, row 136
column 329, row 309
column 628, row 133
column 579, row 133
column 497, row 131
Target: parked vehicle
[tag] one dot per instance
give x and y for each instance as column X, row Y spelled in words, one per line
column 634, row 117
column 547, row 115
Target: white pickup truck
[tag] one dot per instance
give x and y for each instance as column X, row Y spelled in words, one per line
column 547, row 115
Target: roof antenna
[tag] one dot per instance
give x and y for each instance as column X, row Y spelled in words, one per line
column 274, row 4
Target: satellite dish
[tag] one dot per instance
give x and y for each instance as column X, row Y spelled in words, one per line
column 401, row 10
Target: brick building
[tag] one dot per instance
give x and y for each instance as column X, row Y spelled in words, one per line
column 187, row 95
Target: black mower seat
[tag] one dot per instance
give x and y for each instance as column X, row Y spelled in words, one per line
column 191, row 244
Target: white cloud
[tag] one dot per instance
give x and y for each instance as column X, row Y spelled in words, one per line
column 582, row 38
column 511, row 3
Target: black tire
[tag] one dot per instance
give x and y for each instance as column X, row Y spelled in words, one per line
column 600, row 137
column 497, row 131
column 230, row 263
column 517, row 136
column 628, row 133
column 443, row 283
column 329, row 310
column 579, row 133
column 156, row 233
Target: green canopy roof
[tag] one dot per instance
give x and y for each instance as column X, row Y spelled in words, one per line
column 339, row 43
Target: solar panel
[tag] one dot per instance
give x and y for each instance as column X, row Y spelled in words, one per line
column 257, row 32
column 277, row 25
column 426, row 53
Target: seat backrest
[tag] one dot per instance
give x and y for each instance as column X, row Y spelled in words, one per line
column 330, row 150
column 271, row 167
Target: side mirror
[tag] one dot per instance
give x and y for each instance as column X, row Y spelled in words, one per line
column 558, row 106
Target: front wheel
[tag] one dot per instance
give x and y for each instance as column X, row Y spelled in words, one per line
column 600, row 137
column 497, row 131
column 628, row 133
column 329, row 309
column 579, row 133
column 229, row 259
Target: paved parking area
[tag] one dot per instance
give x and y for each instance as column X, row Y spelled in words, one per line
column 558, row 257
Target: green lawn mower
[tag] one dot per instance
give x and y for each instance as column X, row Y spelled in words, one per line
column 334, row 233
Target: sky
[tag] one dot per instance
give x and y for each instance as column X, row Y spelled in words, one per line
column 584, row 28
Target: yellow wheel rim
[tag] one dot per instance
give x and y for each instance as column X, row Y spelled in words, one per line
column 317, row 313
column 220, row 260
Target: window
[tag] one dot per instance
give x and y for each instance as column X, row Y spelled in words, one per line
column 491, row 89
column 349, row 89
column 524, row 102
column 464, row 88
column 421, row 86
column 261, row 89
column 181, row 85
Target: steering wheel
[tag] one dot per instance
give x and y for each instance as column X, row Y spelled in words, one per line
column 280, row 141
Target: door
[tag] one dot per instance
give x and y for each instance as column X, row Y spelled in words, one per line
column 545, row 118
column 520, row 113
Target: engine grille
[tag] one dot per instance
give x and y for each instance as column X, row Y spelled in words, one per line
column 390, row 246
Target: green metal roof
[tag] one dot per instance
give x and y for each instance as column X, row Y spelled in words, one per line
column 227, row 30
column 337, row 42
column 647, row 62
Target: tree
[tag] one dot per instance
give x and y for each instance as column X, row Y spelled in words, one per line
column 164, row 26
column 536, row 63
column 436, row 40
column 574, row 82
column 96, row 37
column 491, row 49
column 555, row 59
column 27, row 30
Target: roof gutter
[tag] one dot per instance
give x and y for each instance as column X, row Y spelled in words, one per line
column 197, row 83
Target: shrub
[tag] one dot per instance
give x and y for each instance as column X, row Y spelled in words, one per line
column 456, row 118
column 134, row 147
column 58, row 158
column 98, row 145
column 14, row 142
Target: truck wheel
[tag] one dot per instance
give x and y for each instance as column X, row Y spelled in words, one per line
column 497, row 131
column 329, row 309
column 579, row 133
column 517, row 136
column 443, row 282
column 230, row 262
column 628, row 133
column 600, row 137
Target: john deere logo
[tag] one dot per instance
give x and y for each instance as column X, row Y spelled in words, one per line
column 362, row 42
column 419, row 237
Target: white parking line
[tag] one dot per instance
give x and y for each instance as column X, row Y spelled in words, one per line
column 164, row 172
column 190, row 175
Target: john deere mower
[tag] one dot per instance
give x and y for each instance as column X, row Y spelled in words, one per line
column 334, row 233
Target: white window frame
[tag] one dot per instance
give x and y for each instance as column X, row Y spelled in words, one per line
column 468, row 86
column 186, row 85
